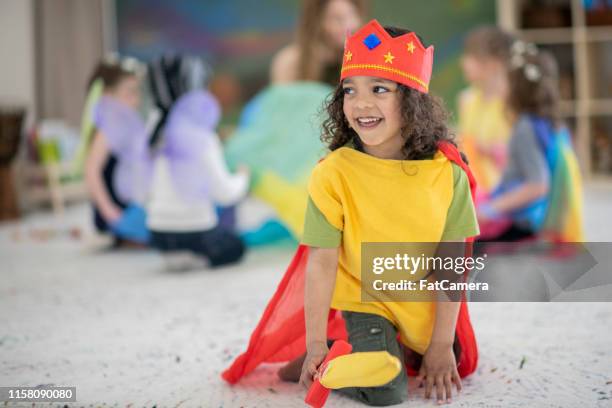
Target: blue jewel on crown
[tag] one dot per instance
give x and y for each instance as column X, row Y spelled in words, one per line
column 371, row 41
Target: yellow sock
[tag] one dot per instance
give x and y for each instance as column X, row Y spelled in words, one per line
column 366, row 369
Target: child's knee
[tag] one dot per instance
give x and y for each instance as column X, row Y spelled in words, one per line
column 368, row 332
column 393, row 393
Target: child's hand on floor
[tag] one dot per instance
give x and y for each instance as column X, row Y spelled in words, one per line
column 439, row 371
column 314, row 357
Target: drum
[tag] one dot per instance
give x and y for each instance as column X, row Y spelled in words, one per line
column 11, row 122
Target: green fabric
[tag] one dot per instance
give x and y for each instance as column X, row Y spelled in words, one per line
column 280, row 132
column 87, row 126
column 461, row 221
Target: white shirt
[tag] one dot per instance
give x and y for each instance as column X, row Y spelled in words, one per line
column 168, row 211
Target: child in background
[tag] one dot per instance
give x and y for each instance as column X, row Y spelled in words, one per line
column 316, row 53
column 540, row 185
column 116, row 168
column 483, row 125
column 190, row 175
column 387, row 179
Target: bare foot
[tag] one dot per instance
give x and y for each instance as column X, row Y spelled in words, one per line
column 291, row 371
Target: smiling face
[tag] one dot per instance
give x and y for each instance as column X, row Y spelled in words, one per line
column 372, row 108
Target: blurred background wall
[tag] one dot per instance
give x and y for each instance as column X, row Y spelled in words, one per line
column 49, row 48
column 240, row 37
column 17, row 71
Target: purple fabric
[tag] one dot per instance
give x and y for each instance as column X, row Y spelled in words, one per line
column 126, row 135
column 189, row 130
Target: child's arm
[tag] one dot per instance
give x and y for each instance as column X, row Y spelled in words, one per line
column 226, row 188
column 94, row 167
column 284, row 65
column 439, row 367
column 531, row 163
column 519, row 197
column 320, row 283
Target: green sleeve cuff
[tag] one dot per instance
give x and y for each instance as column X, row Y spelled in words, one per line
column 318, row 232
column 461, row 220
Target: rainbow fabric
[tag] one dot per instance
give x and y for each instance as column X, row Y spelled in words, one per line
column 563, row 220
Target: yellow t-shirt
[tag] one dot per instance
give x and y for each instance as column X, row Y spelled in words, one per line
column 376, row 200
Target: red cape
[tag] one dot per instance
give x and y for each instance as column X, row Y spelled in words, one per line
column 280, row 335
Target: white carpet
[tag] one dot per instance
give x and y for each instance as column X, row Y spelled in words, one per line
column 127, row 333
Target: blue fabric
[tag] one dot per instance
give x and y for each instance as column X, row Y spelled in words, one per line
column 227, row 217
column 551, row 141
column 270, row 232
column 534, row 213
column 132, row 225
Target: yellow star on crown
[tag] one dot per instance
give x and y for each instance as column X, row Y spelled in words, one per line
column 388, row 58
column 348, row 55
column 411, row 47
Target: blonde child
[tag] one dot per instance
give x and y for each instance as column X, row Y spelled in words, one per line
column 483, row 125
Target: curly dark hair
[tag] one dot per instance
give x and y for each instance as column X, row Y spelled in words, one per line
column 423, row 114
column 538, row 95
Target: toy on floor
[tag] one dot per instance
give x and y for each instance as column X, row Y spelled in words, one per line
column 318, row 393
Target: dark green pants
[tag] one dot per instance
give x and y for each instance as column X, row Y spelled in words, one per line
column 369, row 332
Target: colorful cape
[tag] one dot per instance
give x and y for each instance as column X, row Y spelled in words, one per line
column 563, row 222
column 281, row 332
